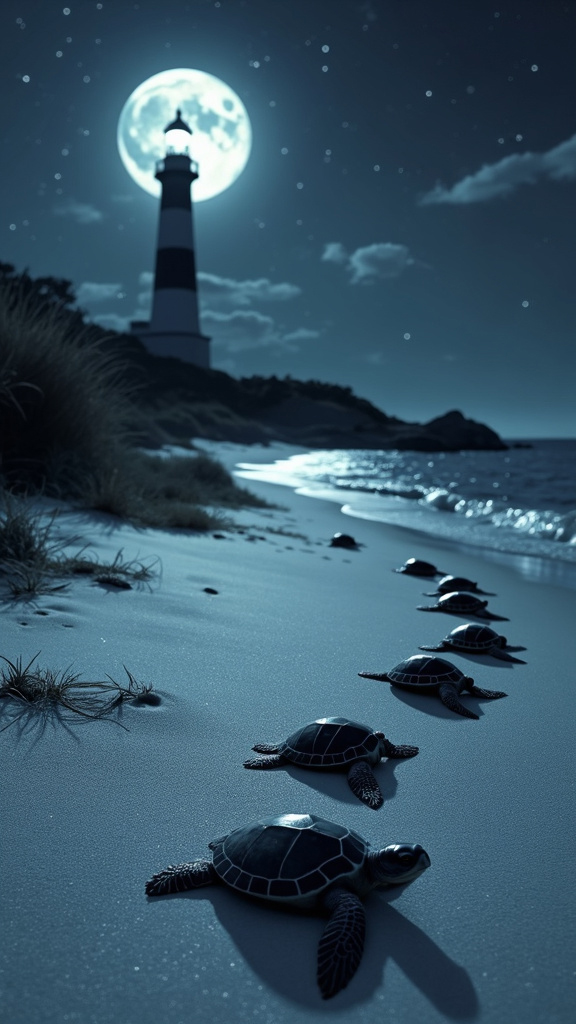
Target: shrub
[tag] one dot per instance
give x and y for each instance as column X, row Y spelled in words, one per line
column 68, row 423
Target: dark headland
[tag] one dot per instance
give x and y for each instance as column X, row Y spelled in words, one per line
column 182, row 401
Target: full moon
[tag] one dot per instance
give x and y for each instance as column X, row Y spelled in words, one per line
column 221, row 132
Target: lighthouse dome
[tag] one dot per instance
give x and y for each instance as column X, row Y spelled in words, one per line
column 177, row 135
column 178, row 125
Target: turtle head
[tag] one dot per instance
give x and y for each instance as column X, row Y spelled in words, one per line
column 383, row 744
column 500, row 641
column 398, row 864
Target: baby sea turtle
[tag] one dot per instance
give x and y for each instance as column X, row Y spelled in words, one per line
column 331, row 743
column 344, row 540
column 461, row 603
column 448, row 584
column 476, row 639
column 307, row 862
column 435, row 675
column 416, row 567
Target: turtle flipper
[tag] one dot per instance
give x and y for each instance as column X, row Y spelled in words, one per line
column 450, row 699
column 382, row 676
column 363, row 784
column 342, row 943
column 476, row 691
column 483, row 613
column 181, row 877
column 497, row 652
column 399, row 750
column 271, row 761
column 266, row 748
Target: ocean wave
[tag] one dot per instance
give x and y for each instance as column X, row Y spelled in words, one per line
column 521, row 500
column 542, row 523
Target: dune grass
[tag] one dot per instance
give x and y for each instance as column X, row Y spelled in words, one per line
column 33, row 561
column 42, row 693
column 70, row 426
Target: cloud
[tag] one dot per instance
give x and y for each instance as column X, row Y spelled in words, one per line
column 494, row 181
column 334, row 252
column 234, row 330
column 226, row 291
column 82, row 213
column 301, row 334
column 240, row 330
column 90, row 292
column 146, row 284
column 113, row 322
column 379, row 261
column 244, row 329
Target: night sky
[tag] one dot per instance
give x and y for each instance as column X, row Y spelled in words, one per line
column 404, row 225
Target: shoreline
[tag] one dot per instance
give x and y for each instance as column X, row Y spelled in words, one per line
column 92, row 810
column 534, row 568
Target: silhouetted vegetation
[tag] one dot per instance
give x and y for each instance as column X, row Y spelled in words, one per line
column 70, row 424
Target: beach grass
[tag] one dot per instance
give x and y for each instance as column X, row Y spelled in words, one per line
column 70, row 426
column 63, row 695
column 33, row 561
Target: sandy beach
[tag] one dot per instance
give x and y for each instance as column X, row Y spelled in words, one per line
column 91, row 810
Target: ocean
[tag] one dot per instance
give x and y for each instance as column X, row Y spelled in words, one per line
column 518, row 505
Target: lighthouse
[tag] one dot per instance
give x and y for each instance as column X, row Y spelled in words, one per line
column 174, row 327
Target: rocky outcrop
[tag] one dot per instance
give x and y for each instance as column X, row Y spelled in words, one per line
column 453, row 426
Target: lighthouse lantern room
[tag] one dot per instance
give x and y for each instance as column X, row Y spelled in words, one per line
column 174, row 327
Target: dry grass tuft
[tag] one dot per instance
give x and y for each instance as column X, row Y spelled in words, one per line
column 62, row 695
column 32, row 562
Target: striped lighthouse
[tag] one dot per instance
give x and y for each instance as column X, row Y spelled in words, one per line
column 174, row 328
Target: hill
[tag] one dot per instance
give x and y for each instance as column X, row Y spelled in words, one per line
column 181, row 400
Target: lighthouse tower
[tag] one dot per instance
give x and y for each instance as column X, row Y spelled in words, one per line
column 174, row 328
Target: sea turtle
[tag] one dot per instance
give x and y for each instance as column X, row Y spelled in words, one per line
column 344, row 540
column 459, row 602
column 416, row 567
column 448, row 584
column 476, row 639
column 335, row 743
column 307, row 862
column 434, row 675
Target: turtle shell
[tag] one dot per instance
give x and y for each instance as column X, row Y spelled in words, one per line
column 290, row 857
column 417, row 567
column 473, row 637
column 421, row 672
column 460, row 601
column 343, row 540
column 329, row 742
column 448, row 584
